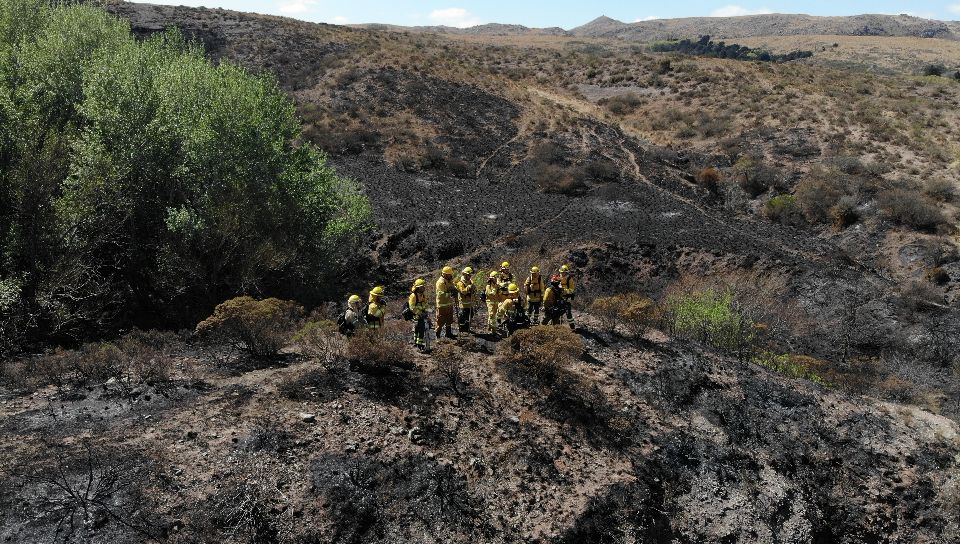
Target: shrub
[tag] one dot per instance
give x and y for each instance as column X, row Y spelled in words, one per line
column 545, row 346
column 147, row 355
column 547, row 153
column 555, row 179
column 622, row 104
column 937, row 276
column 816, row 198
column 710, row 178
column 709, row 316
column 920, row 296
column 93, row 363
column 321, row 340
column 459, row 167
column 448, row 360
column 607, row 310
column 794, row 366
column 639, row 315
column 603, row 170
column 844, row 213
column 940, row 189
column 541, row 360
column 910, row 208
column 934, row 70
column 631, row 310
column 378, row 352
column 783, row 209
column 262, row 327
column 754, row 177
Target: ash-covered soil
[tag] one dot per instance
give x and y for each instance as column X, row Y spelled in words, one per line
column 666, row 444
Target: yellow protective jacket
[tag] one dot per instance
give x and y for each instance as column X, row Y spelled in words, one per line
column 506, row 308
column 444, row 295
column 534, row 288
column 569, row 287
column 492, row 292
column 467, row 291
column 550, row 297
column 418, row 303
column 504, row 279
column 375, row 314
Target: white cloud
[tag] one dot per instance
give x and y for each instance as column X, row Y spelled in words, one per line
column 455, row 17
column 339, row 20
column 647, row 18
column 954, row 8
column 737, row 11
column 293, row 7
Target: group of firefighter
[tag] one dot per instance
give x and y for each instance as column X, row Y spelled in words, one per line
column 509, row 306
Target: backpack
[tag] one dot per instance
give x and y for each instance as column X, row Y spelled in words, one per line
column 407, row 312
column 519, row 319
column 342, row 325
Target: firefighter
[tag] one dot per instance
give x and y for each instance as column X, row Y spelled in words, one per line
column 418, row 305
column 376, row 309
column 446, row 292
column 553, row 304
column 568, row 287
column 505, row 277
column 510, row 314
column 353, row 318
column 467, row 291
column 492, row 295
column 534, row 289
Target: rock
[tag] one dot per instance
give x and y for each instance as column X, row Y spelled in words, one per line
column 414, row 434
column 307, row 418
column 515, row 420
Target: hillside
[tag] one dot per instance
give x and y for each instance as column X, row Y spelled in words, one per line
column 768, row 275
column 655, row 442
column 769, row 25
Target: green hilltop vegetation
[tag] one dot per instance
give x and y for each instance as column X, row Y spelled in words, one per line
column 142, row 184
column 705, row 47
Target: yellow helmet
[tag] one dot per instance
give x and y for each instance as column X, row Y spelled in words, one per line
column 504, row 264
column 513, row 288
column 564, row 268
column 447, row 271
column 467, row 271
column 377, row 291
column 354, row 299
column 419, row 283
column 493, row 274
column 534, row 269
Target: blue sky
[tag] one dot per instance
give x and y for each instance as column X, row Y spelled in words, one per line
column 562, row 13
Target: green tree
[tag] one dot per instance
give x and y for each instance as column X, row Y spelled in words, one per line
column 138, row 175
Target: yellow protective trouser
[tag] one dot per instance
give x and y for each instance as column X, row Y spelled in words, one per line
column 444, row 318
column 492, row 315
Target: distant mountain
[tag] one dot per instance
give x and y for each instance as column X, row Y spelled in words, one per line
column 490, row 29
column 718, row 27
column 769, row 25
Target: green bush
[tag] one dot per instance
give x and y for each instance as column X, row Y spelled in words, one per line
column 783, row 209
column 794, row 366
column 262, row 327
column 147, row 181
column 709, row 316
